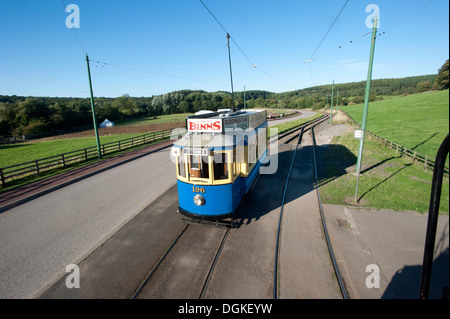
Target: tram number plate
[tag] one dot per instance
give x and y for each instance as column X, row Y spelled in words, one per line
column 198, row 189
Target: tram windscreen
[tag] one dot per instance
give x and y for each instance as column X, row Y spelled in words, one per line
column 181, row 167
column 199, row 166
column 220, row 166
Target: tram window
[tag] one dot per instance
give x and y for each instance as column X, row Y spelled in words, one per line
column 199, row 166
column 220, row 166
column 181, row 166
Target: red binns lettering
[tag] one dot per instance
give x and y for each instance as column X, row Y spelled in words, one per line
column 217, row 125
column 206, row 126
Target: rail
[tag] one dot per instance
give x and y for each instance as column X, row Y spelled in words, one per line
column 37, row 167
column 427, row 161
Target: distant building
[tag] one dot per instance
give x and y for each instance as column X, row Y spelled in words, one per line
column 106, row 123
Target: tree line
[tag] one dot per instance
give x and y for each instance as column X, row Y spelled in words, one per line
column 33, row 115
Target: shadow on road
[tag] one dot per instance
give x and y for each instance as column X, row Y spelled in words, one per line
column 267, row 193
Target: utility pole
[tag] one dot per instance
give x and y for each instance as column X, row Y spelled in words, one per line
column 231, row 74
column 93, row 109
column 331, row 106
column 244, row 97
column 366, row 105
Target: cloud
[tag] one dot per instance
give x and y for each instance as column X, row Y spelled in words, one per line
column 353, row 64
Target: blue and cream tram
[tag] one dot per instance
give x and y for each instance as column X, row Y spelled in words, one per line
column 217, row 161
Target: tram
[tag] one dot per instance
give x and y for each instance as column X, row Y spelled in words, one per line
column 218, row 160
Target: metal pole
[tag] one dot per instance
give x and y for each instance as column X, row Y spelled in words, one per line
column 231, row 74
column 435, row 199
column 244, row 97
column 366, row 105
column 331, row 106
column 93, row 109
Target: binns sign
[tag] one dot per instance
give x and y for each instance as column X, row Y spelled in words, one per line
column 205, row 125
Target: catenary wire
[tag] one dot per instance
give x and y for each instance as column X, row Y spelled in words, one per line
column 75, row 32
column 239, row 48
column 329, row 29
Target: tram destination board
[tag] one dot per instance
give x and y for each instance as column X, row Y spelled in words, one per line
column 196, row 151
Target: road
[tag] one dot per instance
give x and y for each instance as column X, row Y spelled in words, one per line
column 40, row 238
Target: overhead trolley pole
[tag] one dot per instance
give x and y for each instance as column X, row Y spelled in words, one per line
column 366, row 105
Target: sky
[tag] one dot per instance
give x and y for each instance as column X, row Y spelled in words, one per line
column 152, row 47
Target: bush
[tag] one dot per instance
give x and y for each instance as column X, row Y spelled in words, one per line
column 35, row 127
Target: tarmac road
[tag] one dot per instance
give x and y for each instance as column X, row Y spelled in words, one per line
column 40, row 238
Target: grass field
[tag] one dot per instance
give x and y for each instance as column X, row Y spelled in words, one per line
column 419, row 122
column 161, row 119
column 387, row 181
column 11, row 154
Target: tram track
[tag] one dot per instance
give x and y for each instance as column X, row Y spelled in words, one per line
column 171, row 259
column 288, row 137
column 216, row 232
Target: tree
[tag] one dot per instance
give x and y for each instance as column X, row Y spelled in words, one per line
column 423, row 86
column 442, row 78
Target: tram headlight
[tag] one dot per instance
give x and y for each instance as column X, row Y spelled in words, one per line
column 199, row 200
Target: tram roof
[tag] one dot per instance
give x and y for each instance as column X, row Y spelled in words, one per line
column 219, row 122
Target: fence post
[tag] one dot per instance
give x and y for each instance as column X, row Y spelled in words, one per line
column 63, row 160
column 2, row 177
column 425, row 163
column 37, row 167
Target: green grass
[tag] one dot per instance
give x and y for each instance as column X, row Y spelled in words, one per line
column 160, row 119
column 11, row 154
column 387, row 181
column 12, row 184
column 418, row 122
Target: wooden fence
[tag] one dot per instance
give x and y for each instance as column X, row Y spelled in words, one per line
column 38, row 166
column 425, row 160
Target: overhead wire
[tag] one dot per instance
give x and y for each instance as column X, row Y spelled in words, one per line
column 75, row 32
column 321, row 41
column 331, row 26
column 239, row 48
column 381, row 33
column 103, row 64
column 412, row 14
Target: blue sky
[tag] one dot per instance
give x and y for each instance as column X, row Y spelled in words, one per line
column 157, row 46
